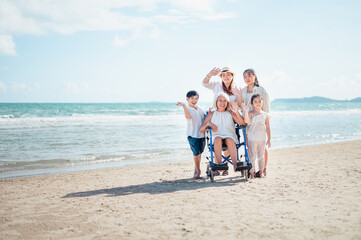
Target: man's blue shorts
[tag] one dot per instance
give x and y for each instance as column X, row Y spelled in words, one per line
column 197, row 145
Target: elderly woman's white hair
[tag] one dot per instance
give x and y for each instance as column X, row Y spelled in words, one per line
column 221, row 94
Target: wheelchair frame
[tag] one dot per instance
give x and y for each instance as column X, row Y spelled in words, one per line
column 242, row 166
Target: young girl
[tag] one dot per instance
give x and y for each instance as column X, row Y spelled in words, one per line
column 252, row 88
column 222, row 123
column 258, row 132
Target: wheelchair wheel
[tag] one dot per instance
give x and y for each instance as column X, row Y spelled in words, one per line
column 211, row 175
column 245, row 173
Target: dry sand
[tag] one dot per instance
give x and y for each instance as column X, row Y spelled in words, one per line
column 309, row 193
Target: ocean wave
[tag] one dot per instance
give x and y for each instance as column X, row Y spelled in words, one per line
column 316, row 112
column 85, row 161
column 87, row 120
column 7, row 116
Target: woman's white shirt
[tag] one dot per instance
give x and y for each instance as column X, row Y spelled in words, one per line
column 246, row 97
column 217, row 88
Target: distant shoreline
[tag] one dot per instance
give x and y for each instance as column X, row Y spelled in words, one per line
column 304, row 99
column 314, row 99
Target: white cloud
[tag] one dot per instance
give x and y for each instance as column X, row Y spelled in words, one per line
column 7, row 45
column 3, row 87
column 195, row 6
column 118, row 42
column 19, row 87
column 4, row 68
column 71, row 87
column 36, row 86
column 279, row 77
column 358, row 76
column 77, row 87
column 218, row 16
column 68, row 16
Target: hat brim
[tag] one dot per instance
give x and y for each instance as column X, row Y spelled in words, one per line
column 220, row 74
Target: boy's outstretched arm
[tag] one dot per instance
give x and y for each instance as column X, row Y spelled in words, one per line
column 186, row 112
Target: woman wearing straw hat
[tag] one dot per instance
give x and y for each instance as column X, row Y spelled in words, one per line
column 226, row 86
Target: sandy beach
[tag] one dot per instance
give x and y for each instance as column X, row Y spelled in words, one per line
column 309, row 193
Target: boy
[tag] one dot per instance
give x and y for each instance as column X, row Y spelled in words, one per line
column 195, row 117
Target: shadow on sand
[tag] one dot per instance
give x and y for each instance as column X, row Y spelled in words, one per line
column 160, row 187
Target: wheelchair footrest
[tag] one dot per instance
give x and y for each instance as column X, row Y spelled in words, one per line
column 222, row 166
column 243, row 166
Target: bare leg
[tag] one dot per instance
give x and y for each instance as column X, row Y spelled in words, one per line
column 226, row 153
column 260, row 156
column 197, row 163
column 218, row 150
column 252, row 150
column 265, row 160
column 232, row 150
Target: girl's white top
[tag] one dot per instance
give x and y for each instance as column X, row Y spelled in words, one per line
column 194, row 124
column 246, row 98
column 257, row 127
column 217, row 88
column 225, row 125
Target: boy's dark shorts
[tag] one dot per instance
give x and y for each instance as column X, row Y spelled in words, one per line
column 197, row 145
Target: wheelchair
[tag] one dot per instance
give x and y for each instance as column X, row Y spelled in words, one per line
column 243, row 163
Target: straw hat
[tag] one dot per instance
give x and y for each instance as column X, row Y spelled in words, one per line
column 224, row 70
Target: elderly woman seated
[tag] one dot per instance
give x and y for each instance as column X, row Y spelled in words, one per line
column 222, row 122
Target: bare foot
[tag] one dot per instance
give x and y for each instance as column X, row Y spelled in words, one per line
column 197, row 175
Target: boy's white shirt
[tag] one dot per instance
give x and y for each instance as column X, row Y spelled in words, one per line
column 194, row 124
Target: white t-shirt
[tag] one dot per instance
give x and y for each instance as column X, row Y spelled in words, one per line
column 217, row 88
column 246, row 97
column 194, row 124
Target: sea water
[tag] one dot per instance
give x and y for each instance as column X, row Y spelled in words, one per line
column 45, row 138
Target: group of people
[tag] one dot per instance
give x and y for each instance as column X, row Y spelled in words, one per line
column 248, row 106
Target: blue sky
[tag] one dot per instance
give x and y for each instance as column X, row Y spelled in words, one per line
column 157, row 50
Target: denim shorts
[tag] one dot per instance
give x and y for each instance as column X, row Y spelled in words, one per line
column 197, row 145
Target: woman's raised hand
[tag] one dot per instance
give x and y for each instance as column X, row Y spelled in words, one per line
column 244, row 107
column 234, row 106
column 237, row 91
column 214, row 72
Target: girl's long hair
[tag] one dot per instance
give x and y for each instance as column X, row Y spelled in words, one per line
column 229, row 89
column 251, row 70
